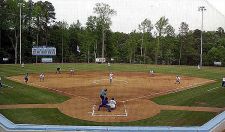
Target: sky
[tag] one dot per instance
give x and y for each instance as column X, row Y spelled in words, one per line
column 130, row 13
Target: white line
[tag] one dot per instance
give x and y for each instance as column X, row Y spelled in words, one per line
column 213, row 89
column 93, row 110
column 125, row 109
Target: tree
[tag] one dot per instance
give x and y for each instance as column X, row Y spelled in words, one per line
column 104, row 13
column 13, row 23
column 63, row 26
column 160, row 26
column 183, row 31
column 145, row 26
column 44, row 15
column 170, row 31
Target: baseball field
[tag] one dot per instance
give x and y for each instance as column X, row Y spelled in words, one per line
column 142, row 99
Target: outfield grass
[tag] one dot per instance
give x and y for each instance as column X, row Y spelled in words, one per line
column 54, row 117
column 24, row 94
column 211, row 95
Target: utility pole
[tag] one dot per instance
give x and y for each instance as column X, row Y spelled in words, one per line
column 20, row 4
column 62, row 47
column 202, row 9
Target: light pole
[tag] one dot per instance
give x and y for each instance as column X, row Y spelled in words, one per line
column 20, row 4
column 202, row 9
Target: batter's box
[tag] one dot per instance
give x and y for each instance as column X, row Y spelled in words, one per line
column 119, row 111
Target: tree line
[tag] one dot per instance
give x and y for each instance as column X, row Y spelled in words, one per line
column 150, row 43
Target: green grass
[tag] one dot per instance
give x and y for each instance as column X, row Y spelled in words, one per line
column 195, row 97
column 24, row 94
column 54, row 117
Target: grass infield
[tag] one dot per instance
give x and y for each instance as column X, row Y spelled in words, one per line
column 24, row 94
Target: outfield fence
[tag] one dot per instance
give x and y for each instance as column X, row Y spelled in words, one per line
column 216, row 124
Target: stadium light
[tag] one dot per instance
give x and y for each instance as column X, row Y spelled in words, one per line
column 20, row 5
column 202, row 9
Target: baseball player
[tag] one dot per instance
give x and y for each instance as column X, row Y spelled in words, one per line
column 72, row 71
column 223, row 82
column 26, row 78
column 110, row 77
column 58, row 70
column 112, row 103
column 177, row 79
column 22, row 65
column 1, row 85
column 199, row 67
column 104, row 103
column 42, row 77
column 151, row 72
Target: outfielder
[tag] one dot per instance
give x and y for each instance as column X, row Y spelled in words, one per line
column 1, row 85
column 223, row 82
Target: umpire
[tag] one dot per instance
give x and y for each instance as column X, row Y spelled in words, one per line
column 103, row 94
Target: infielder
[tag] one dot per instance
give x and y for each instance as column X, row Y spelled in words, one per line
column 110, row 77
column 72, row 71
column 178, row 79
column 58, row 70
column 151, row 72
column 26, row 78
column 42, row 77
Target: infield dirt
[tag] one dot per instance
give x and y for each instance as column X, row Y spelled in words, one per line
column 132, row 91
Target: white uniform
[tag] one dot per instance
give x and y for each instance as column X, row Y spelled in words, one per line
column 112, row 104
column 151, row 72
column 42, row 77
column 72, row 71
column 177, row 79
column 110, row 77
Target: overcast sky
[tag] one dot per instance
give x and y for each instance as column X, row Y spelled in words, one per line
column 131, row 12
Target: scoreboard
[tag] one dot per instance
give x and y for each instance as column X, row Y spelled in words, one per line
column 43, row 51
